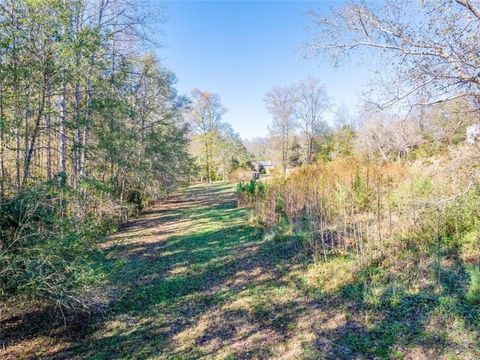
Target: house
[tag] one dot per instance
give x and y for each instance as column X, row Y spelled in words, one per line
column 261, row 166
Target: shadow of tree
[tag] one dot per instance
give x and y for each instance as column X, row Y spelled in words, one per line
column 217, row 288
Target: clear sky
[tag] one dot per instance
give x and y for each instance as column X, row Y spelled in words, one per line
column 241, row 49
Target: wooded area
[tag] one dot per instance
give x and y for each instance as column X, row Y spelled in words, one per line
column 91, row 129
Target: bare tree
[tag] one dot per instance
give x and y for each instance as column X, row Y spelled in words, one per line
column 281, row 104
column 446, row 122
column 432, row 46
column 312, row 101
column 262, row 148
column 342, row 118
column 387, row 135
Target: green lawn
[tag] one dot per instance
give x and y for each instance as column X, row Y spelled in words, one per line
column 192, row 279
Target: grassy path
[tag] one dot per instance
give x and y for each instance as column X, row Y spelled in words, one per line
column 192, row 279
column 189, row 279
column 195, row 280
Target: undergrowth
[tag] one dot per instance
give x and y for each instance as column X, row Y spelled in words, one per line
column 423, row 230
column 49, row 241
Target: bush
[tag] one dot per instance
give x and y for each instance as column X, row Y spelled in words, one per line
column 135, row 198
column 240, row 175
column 282, row 229
column 473, row 294
column 49, row 242
column 249, row 192
column 351, row 204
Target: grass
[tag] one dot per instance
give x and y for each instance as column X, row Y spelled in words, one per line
column 193, row 279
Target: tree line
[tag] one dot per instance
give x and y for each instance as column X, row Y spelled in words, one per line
column 217, row 148
column 299, row 133
column 91, row 130
column 424, row 93
column 79, row 97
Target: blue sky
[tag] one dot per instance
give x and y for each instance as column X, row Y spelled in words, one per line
column 241, row 49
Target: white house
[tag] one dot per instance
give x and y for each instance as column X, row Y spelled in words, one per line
column 265, row 165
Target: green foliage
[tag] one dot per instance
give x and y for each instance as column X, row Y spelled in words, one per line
column 343, row 139
column 428, row 149
column 280, row 206
column 135, row 197
column 250, row 192
column 375, row 311
column 282, row 229
column 324, row 146
column 361, row 192
column 295, row 153
column 94, row 185
column 473, row 294
column 253, row 187
column 109, row 119
column 49, row 238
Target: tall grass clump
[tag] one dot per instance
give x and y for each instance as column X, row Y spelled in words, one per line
column 473, row 294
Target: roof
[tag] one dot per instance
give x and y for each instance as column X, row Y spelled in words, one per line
column 262, row 163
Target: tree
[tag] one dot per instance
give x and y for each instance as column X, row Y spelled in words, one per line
column 445, row 123
column 387, row 134
column 344, row 131
column 76, row 91
column 295, row 153
column 311, row 102
column 79, row 96
column 261, row 148
column 342, row 118
column 281, row 104
column 231, row 150
column 430, row 47
column 206, row 113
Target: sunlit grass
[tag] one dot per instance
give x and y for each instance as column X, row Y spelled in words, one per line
column 215, row 287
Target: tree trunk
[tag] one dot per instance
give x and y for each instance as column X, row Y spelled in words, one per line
column 25, row 134
column 309, row 148
column 207, row 158
column 224, row 166
column 85, row 134
column 17, row 157
column 83, row 155
column 77, row 141
column 62, row 161
column 48, row 128
column 16, row 112
column 2, row 149
column 30, row 147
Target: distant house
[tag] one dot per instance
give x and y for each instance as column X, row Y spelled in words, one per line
column 261, row 166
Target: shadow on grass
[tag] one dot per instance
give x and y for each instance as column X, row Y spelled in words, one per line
column 160, row 287
column 392, row 322
column 221, row 289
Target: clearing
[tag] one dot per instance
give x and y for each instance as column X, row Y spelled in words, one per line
column 192, row 279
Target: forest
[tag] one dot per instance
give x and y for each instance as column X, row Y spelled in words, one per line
column 136, row 222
